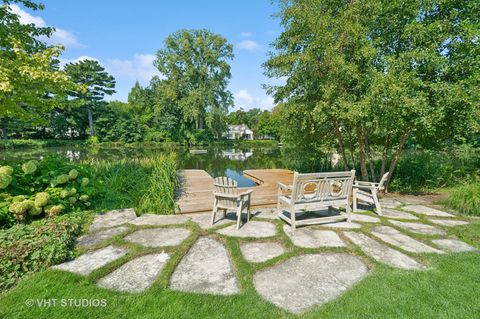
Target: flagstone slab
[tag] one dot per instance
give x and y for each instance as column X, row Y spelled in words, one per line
column 428, row 211
column 397, row 214
column 257, row 229
column 364, row 218
column 390, row 203
column 91, row 261
column 158, row 237
column 204, row 220
column 419, row 228
column 98, row 237
column 205, row 269
column 266, row 212
column 313, row 238
column 342, row 225
column 448, row 222
column 453, row 245
column 136, row 275
column 112, row 218
column 303, row 282
column 260, row 252
column 382, row 253
column 394, row 237
column 159, row 220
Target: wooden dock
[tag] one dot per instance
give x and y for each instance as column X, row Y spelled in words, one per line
column 196, row 194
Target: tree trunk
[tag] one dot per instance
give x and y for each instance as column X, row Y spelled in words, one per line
column 351, row 148
column 361, row 153
column 370, row 158
column 396, row 156
column 341, row 145
column 90, row 121
column 386, row 145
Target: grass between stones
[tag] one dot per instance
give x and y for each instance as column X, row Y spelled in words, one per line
column 446, row 290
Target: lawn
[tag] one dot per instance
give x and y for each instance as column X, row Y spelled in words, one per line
column 446, row 290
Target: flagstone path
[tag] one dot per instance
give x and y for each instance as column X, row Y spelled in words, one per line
column 205, row 269
column 295, row 284
column 260, row 252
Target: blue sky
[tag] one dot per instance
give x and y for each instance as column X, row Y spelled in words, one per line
column 125, row 35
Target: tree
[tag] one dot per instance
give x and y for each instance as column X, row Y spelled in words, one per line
column 194, row 63
column 29, row 74
column 374, row 74
column 98, row 82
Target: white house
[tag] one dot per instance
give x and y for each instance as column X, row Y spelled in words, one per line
column 237, row 132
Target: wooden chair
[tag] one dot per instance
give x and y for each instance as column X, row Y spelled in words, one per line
column 368, row 192
column 313, row 192
column 227, row 197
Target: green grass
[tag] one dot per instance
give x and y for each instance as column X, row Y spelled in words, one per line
column 464, row 198
column 146, row 184
column 447, row 290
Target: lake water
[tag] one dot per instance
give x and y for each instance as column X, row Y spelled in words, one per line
column 217, row 161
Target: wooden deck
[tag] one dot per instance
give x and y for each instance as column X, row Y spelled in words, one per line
column 197, row 192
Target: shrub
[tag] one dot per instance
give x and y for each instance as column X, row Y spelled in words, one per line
column 465, row 198
column 31, row 187
column 26, row 249
column 147, row 184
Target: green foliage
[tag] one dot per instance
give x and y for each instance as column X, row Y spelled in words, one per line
column 423, row 170
column 29, row 71
column 45, row 188
column 464, row 198
column 194, row 91
column 26, row 249
column 147, row 184
column 368, row 74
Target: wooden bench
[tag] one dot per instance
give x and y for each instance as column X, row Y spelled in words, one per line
column 310, row 192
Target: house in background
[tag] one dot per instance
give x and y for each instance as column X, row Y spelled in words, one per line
column 239, row 132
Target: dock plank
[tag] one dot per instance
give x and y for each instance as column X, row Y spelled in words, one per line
column 196, row 194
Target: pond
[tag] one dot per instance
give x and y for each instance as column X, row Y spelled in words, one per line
column 217, row 160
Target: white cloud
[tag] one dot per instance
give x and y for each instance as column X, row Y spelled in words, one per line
column 62, row 36
column 139, row 68
column 246, row 34
column 243, row 99
column 248, row 45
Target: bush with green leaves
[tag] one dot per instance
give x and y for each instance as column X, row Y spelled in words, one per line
column 45, row 188
column 34, row 247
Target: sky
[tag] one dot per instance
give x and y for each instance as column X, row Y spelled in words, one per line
column 124, row 37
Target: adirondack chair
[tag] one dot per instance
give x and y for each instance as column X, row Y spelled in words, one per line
column 368, row 192
column 311, row 192
column 227, row 196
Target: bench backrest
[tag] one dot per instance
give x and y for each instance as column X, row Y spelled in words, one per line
column 225, row 186
column 322, row 187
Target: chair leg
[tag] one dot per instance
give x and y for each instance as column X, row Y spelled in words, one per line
column 248, row 211
column 354, row 199
column 214, row 211
column 349, row 212
column 292, row 218
column 239, row 216
column 377, row 203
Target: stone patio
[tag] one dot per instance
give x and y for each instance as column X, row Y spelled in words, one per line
column 261, row 252
column 313, row 238
column 159, row 237
column 309, row 280
column 295, row 284
column 205, row 269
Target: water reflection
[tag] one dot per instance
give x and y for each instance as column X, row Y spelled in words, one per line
column 219, row 160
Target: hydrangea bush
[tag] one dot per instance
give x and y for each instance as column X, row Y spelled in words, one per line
column 46, row 188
